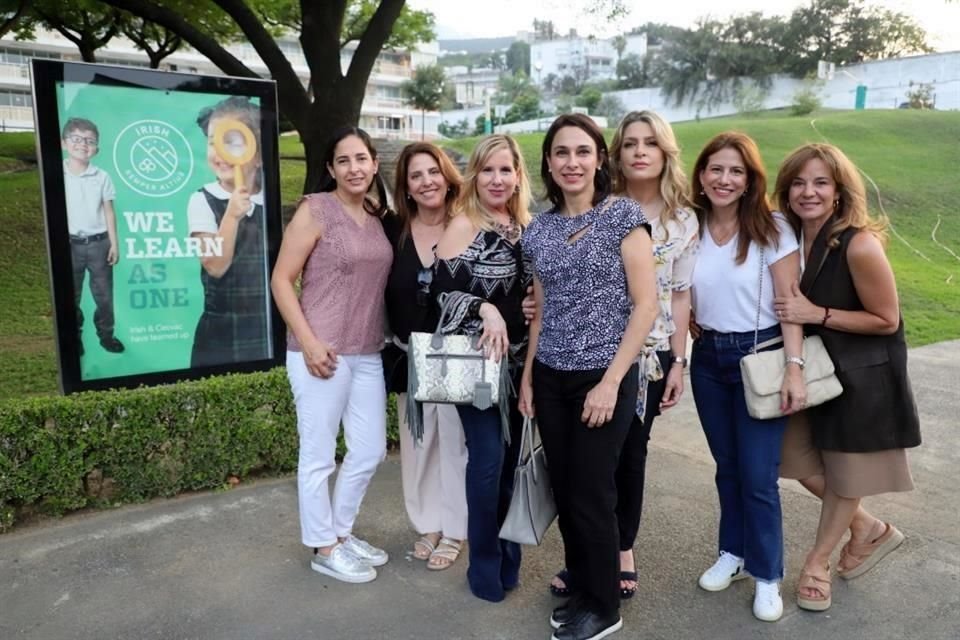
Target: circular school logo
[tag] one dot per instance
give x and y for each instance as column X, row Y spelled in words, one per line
column 153, row 158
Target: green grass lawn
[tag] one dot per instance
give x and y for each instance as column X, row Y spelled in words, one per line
column 913, row 156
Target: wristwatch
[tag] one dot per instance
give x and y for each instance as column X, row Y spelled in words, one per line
column 680, row 361
column 797, row 360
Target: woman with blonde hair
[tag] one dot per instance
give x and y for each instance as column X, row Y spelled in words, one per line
column 855, row 445
column 480, row 278
column 427, row 184
column 748, row 254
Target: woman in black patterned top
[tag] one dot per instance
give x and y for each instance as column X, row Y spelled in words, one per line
column 480, row 275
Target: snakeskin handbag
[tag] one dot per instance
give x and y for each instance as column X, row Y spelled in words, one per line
column 451, row 369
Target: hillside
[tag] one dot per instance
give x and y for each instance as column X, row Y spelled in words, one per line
column 912, row 156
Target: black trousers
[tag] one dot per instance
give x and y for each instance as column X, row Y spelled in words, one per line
column 582, row 463
column 632, row 469
column 92, row 258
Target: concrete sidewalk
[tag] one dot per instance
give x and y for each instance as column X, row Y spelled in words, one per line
column 229, row 565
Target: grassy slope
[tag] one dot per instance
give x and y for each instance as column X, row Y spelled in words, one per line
column 913, row 156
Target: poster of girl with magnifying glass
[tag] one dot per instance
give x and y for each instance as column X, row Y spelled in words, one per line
column 229, row 212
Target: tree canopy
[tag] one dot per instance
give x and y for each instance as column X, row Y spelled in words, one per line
column 356, row 30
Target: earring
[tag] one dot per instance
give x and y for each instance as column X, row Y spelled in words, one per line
column 516, row 189
column 702, row 192
column 409, row 197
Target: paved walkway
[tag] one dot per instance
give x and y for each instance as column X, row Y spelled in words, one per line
column 229, row 566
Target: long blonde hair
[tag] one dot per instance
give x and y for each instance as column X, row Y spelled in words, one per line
column 674, row 187
column 469, row 201
column 851, row 207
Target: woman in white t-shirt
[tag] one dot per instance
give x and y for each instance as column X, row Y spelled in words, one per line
column 747, row 254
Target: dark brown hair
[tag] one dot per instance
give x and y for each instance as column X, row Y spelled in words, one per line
column 602, row 184
column 375, row 207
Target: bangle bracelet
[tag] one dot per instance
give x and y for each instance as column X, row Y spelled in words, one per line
column 826, row 316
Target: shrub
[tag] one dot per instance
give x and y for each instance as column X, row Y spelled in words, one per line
column 806, row 100
column 63, row 453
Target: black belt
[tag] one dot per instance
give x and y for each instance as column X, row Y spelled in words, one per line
column 89, row 239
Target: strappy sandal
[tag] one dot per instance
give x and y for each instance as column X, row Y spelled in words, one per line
column 627, row 592
column 822, row 586
column 866, row 555
column 423, row 548
column 447, row 551
column 565, row 591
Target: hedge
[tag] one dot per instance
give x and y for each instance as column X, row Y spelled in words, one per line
column 106, row 447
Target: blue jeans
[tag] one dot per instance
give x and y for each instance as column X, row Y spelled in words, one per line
column 494, row 563
column 746, row 450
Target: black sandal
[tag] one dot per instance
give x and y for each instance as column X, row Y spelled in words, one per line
column 628, row 576
column 565, row 591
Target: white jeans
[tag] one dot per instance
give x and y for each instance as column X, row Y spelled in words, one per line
column 356, row 396
column 434, row 470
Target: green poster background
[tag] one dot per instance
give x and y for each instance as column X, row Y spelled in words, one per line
column 157, row 300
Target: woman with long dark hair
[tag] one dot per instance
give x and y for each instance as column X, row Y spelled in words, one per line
column 336, row 245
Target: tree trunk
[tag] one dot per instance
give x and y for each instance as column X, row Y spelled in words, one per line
column 87, row 53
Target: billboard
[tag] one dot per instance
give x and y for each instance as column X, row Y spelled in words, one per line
column 162, row 211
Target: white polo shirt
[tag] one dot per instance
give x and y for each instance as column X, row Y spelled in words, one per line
column 200, row 217
column 85, row 195
column 725, row 293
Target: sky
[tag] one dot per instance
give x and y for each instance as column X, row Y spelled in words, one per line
column 492, row 18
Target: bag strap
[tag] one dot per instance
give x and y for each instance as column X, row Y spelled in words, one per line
column 526, row 442
column 756, row 327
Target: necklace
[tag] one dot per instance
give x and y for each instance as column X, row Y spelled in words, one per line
column 722, row 235
column 510, row 230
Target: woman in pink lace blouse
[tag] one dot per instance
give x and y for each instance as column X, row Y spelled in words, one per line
column 336, row 245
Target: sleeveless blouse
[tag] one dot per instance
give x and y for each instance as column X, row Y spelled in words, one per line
column 344, row 279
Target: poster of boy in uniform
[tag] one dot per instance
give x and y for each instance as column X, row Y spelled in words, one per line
column 92, row 223
column 234, row 324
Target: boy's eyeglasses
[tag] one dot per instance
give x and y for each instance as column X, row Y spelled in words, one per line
column 91, row 142
column 424, row 279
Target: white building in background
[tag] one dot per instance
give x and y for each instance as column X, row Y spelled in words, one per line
column 583, row 58
column 473, row 85
column 383, row 115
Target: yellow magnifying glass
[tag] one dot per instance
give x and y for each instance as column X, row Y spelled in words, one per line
column 236, row 145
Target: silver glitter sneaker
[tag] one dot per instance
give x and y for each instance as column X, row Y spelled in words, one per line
column 343, row 565
column 365, row 551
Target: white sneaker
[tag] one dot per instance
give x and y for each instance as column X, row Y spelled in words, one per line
column 725, row 570
column 365, row 551
column 343, row 565
column 767, row 603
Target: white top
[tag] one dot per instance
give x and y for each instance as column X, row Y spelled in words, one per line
column 200, row 217
column 725, row 293
column 674, row 255
column 85, row 195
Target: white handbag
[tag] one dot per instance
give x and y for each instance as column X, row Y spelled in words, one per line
column 763, row 372
column 532, row 508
